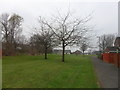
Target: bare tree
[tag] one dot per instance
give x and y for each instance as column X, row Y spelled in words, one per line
column 11, row 27
column 68, row 30
column 15, row 26
column 4, row 26
column 85, row 43
column 84, row 46
column 106, row 40
column 46, row 42
column 41, row 43
column 43, row 37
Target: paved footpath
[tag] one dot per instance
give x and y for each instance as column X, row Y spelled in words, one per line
column 107, row 74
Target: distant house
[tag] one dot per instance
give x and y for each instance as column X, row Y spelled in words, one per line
column 117, row 42
column 96, row 52
column 77, row 52
column 111, row 50
column 59, row 51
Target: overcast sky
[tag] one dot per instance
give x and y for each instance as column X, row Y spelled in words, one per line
column 105, row 12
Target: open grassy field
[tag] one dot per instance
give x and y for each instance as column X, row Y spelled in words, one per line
column 35, row 72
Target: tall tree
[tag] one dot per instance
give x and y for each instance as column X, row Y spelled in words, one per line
column 15, row 26
column 68, row 30
column 11, row 27
column 4, row 26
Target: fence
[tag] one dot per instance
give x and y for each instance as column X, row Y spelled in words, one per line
column 113, row 58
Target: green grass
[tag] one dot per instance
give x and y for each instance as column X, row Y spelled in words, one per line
column 35, row 72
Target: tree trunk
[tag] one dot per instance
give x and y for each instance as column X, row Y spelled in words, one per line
column 63, row 55
column 83, row 52
column 45, row 53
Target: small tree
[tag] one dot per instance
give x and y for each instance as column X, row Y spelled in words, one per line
column 46, row 41
column 44, row 36
column 84, row 47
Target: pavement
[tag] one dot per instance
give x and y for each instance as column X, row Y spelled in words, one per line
column 107, row 73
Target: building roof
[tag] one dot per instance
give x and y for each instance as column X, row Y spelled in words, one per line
column 96, row 52
column 60, row 50
column 77, row 51
column 118, row 38
column 112, row 49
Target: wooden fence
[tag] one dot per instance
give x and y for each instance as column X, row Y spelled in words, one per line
column 113, row 58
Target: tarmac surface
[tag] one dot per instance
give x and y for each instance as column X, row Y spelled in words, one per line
column 107, row 74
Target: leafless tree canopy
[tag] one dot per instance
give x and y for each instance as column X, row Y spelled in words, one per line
column 43, row 37
column 106, row 40
column 84, row 44
column 68, row 30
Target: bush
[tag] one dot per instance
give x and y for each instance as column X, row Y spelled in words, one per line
column 100, row 56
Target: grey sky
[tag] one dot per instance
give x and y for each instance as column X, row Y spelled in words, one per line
column 105, row 12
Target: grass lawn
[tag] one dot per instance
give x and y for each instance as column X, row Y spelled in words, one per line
column 35, row 72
